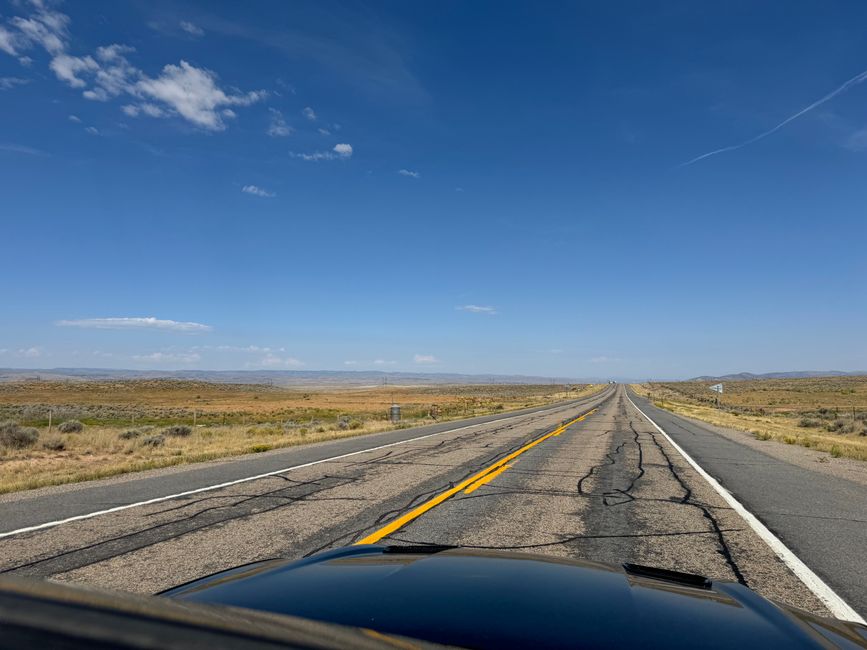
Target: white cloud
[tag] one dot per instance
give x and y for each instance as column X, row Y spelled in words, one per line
column 323, row 131
column 193, row 93
column 8, row 83
column 92, row 130
column 258, row 191
column 188, row 91
column 410, row 173
column 30, row 353
column 339, row 152
column 309, row 113
column 74, row 118
column 383, row 362
column 68, row 68
column 604, row 359
column 273, row 360
column 350, row 363
column 278, row 127
column 191, row 28
column 478, row 309
column 425, row 358
column 8, row 41
column 126, row 323
column 168, row 357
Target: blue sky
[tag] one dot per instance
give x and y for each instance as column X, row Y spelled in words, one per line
column 446, row 186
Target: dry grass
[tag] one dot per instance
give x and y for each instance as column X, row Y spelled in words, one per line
column 229, row 420
column 827, row 414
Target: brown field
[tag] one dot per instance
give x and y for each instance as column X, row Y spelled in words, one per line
column 223, row 419
column 828, row 413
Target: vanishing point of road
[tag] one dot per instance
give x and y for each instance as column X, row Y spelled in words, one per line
column 607, row 478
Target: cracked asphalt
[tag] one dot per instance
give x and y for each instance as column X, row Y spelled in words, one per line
column 608, row 488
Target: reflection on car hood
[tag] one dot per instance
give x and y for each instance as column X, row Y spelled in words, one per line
column 487, row 599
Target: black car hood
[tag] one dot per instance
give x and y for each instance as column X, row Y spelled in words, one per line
column 485, row 599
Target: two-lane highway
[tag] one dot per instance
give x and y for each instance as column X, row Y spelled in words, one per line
column 594, row 479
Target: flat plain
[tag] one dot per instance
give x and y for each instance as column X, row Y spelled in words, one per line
column 825, row 413
column 136, row 425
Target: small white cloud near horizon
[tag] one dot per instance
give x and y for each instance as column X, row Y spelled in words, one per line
column 30, row 353
column 191, row 28
column 425, row 358
column 309, row 113
column 604, row 359
column 255, row 190
column 168, row 357
column 409, row 173
column 478, row 309
column 274, row 361
column 136, row 322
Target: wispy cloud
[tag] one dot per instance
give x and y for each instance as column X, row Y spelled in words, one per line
column 478, row 309
column 857, row 79
column 408, row 172
column 602, row 359
column 278, row 128
column 8, row 83
column 258, row 191
column 20, row 148
column 274, row 361
column 168, row 357
column 323, row 131
column 425, row 358
column 134, row 323
column 92, row 130
column 75, row 119
column 191, row 28
column 31, row 353
column 339, row 152
column 183, row 90
column 309, row 113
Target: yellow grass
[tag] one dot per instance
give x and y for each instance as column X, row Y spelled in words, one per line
column 776, row 409
column 257, row 419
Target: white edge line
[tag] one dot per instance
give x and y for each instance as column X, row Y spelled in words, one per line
column 838, row 607
column 208, row 488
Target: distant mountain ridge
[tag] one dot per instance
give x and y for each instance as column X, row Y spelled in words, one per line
column 284, row 377
column 796, row 374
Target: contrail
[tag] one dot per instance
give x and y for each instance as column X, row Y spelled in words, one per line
column 852, row 82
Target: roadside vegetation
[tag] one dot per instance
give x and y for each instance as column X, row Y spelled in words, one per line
column 63, row 432
column 828, row 413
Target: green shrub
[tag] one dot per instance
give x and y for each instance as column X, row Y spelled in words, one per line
column 54, row 443
column 178, row 431
column 130, row 434
column 356, row 424
column 154, row 441
column 808, row 423
column 71, row 426
column 14, row 436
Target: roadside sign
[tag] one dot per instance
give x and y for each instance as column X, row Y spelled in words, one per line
column 717, row 388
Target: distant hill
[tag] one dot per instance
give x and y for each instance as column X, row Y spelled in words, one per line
column 283, row 377
column 796, row 374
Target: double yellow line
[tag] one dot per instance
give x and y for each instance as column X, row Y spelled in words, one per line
column 470, row 485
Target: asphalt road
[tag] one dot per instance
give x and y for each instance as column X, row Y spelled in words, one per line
column 592, row 479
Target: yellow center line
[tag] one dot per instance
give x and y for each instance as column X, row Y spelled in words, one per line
column 418, row 511
column 486, row 479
